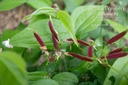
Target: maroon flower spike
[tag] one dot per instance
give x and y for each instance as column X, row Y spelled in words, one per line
column 117, row 37
column 116, row 50
column 53, row 31
column 90, row 51
column 55, row 43
column 40, row 41
column 116, row 55
column 80, row 57
column 79, row 41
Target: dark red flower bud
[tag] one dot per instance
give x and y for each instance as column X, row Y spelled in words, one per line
column 53, row 31
column 116, row 55
column 40, row 41
column 80, row 57
column 79, row 41
column 51, row 59
column 117, row 37
column 55, row 43
column 38, row 38
column 116, row 50
column 90, row 51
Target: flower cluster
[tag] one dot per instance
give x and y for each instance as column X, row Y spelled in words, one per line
column 117, row 53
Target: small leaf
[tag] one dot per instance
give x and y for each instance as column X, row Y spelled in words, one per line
column 116, row 55
column 80, row 56
column 66, row 78
column 117, row 37
column 40, row 11
column 68, row 23
column 33, row 76
column 90, row 51
column 116, row 50
column 45, row 82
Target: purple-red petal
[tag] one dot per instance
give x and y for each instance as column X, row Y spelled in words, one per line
column 55, row 43
column 38, row 38
column 79, row 41
column 53, row 31
column 117, row 37
column 80, row 56
column 90, row 51
column 116, row 55
column 116, row 50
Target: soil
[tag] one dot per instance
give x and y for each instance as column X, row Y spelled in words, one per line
column 10, row 19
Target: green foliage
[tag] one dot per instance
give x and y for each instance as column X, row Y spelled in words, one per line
column 118, row 27
column 120, row 74
column 68, row 23
column 10, row 4
column 39, row 3
column 45, row 82
column 65, row 78
column 83, row 27
column 87, row 18
column 12, row 69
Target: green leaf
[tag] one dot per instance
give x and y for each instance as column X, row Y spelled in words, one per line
column 118, row 27
column 75, row 4
column 34, row 76
column 87, row 18
column 10, row 4
column 45, row 82
column 82, row 67
column 42, row 10
column 39, row 3
column 12, row 69
column 31, row 56
column 121, row 65
column 105, row 2
column 124, row 80
column 66, row 78
column 40, row 25
column 68, row 23
column 121, row 16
